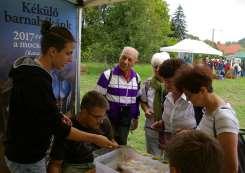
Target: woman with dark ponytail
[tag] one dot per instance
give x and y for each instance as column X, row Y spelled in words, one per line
column 33, row 114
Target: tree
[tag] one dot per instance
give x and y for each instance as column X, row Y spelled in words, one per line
column 193, row 37
column 211, row 43
column 178, row 24
column 94, row 34
column 142, row 24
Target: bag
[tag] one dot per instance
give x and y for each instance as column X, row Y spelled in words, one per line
column 240, row 148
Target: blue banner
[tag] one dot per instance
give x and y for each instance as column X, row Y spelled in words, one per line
column 20, row 22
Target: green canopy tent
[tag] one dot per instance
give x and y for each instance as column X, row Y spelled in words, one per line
column 241, row 55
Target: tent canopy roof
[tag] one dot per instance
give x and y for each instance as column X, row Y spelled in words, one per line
column 192, row 46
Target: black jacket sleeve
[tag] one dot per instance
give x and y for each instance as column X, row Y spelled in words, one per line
column 40, row 101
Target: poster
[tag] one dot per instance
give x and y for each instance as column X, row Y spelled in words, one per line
column 20, row 22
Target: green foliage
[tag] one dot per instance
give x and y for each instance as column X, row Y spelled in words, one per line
column 178, row 24
column 193, row 37
column 142, row 24
column 233, row 91
column 95, row 38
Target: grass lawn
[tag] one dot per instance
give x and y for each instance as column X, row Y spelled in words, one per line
column 232, row 90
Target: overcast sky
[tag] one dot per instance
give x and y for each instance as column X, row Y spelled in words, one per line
column 227, row 17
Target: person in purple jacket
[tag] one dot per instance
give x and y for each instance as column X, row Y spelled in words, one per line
column 120, row 85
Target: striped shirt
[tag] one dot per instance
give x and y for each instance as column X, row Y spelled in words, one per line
column 225, row 121
column 120, row 92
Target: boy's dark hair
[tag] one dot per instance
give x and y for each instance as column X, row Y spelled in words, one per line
column 192, row 78
column 195, row 152
column 94, row 99
column 54, row 36
column 168, row 68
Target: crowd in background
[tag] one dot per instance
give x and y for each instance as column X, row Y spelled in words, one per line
column 225, row 68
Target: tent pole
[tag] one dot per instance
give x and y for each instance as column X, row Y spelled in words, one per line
column 79, row 36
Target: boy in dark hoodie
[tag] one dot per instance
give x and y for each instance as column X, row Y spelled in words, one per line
column 33, row 114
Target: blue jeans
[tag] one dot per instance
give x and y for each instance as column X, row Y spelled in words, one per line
column 38, row 167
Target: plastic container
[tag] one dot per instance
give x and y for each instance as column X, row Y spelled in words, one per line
column 100, row 152
column 109, row 162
